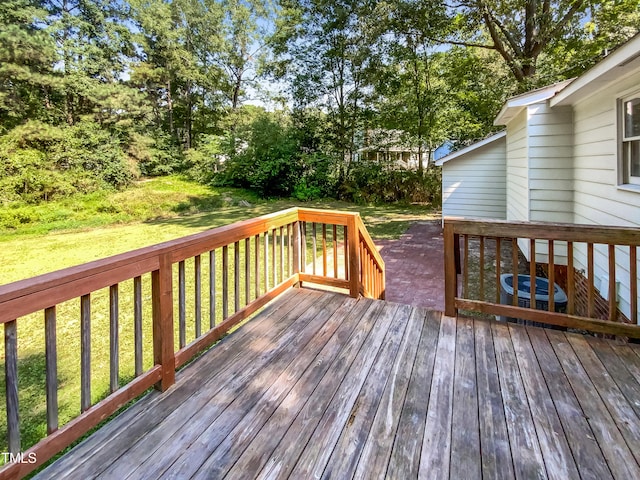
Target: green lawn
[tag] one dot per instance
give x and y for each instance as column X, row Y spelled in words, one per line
column 75, row 231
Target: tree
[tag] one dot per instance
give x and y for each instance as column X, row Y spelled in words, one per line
column 27, row 57
column 521, row 31
column 331, row 55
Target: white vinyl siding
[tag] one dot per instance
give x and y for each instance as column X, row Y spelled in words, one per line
column 597, row 198
column 473, row 185
column 550, row 164
column 517, row 169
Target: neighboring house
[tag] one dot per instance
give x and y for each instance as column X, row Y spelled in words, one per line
column 571, row 154
column 391, row 146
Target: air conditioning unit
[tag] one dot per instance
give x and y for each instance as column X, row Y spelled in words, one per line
column 524, row 296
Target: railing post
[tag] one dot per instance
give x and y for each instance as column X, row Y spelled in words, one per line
column 354, row 257
column 163, row 349
column 450, row 271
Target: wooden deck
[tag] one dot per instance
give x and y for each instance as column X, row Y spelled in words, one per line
column 322, row 385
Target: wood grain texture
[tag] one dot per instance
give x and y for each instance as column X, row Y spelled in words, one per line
column 404, row 461
column 51, row 378
column 112, row 441
column 114, row 339
column 182, row 305
column 586, row 452
column 85, row 352
column 11, row 385
column 322, row 385
column 528, row 462
column 436, row 447
column 354, row 436
column 162, row 308
column 341, row 410
column 554, row 445
column 197, row 293
column 212, row 289
column 137, row 324
column 552, row 318
column 546, row 231
column 494, row 439
column 374, row 459
column 465, row 427
column 322, row 375
column 620, row 459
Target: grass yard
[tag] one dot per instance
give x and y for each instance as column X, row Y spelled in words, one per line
column 75, row 231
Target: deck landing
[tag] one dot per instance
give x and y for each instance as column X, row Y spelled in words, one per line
column 321, row 385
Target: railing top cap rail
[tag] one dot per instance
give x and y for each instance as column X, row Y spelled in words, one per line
column 615, row 235
column 242, row 228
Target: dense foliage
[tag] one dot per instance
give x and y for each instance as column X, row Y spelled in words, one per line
column 96, row 93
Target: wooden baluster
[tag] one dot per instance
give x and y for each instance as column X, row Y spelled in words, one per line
column 498, row 267
column 236, row 276
column 571, row 282
column 225, row 282
column 346, row 252
column 296, row 253
column 163, row 327
column 85, row 352
column 552, row 276
column 451, row 243
column 11, row 385
column 613, row 306
column 289, row 250
column 590, row 275
column 514, row 261
column 335, row 251
column 51, row 356
column 197, row 273
column 633, row 282
column 265, row 240
column 247, row 271
column 465, row 269
column 182, row 308
column 256, row 266
column 281, row 254
column 361, row 267
column 274, row 241
column 114, row 369
column 354, row 257
column 212, row 289
column 137, row 323
column 532, row 271
column 313, row 246
column 303, row 247
column 324, row 249
column 482, row 268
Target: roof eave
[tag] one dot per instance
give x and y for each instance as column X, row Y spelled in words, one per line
column 618, row 64
column 471, row 148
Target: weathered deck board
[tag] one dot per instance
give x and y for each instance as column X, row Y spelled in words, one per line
column 321, row 385
column 584, row 447
column 494, row 439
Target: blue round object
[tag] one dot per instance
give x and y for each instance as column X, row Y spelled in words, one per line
column 524, row 288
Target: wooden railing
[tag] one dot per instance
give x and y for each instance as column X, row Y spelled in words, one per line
column 579, row 253
column 244, row 266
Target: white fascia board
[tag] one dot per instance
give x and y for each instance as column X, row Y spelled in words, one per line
column 514, row 105
column 616, row 65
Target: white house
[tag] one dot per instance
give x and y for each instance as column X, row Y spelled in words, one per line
column 571, row 154
column 474, row 180
column 392, row 147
